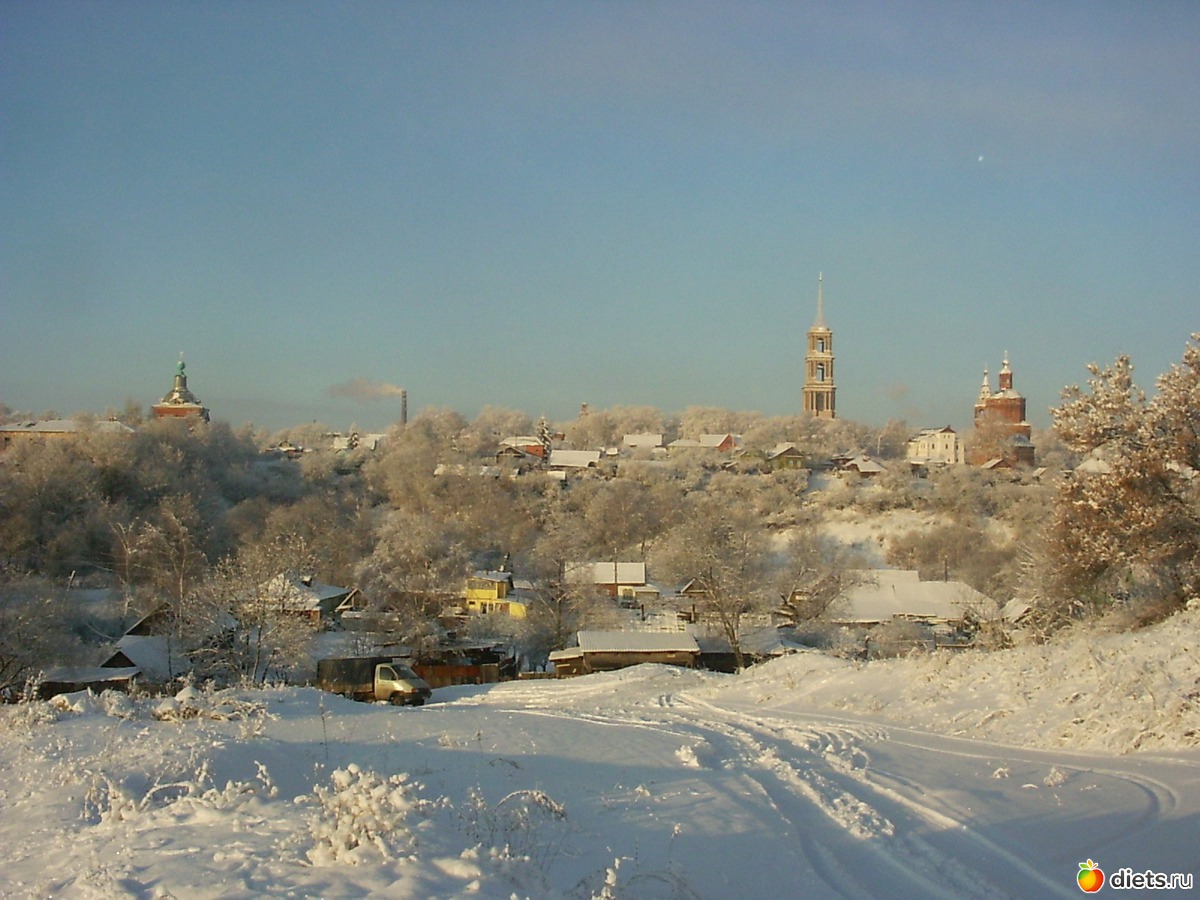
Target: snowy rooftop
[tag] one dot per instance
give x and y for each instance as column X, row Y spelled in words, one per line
column 885, row 593
column 637, row 642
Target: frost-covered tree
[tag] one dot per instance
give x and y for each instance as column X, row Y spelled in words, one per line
column 416, row 559
column 243, row 621
column 724, row 551
column 1126, row 527
column 815, row 574
column 35, row 631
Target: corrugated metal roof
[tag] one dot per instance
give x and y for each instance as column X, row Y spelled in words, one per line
column 604, row 573
column 637, row 642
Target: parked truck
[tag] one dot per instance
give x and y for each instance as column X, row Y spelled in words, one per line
column 373, row 678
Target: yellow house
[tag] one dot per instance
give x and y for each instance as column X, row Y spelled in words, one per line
column 488, row 592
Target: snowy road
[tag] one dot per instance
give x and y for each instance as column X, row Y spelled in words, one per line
column 651, row 782
column 857, row 808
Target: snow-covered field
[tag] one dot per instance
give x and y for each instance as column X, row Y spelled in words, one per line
column 964, row 776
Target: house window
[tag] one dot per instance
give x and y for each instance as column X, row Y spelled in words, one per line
column 820, row 345
column 820, row 371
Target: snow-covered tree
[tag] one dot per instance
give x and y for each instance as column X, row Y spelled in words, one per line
column 725, row 552
column 35, row 631
column 416, row 559
column 242, row 619
column 1126, row 527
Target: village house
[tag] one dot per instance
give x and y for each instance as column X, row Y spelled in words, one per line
column 784, row 456
column 303, row 596
column 341, row 443
column 935, row 447
column 859, row 464
column 517, row 459
column 494, row 592
column 880, row 595
column 529, row 445
column 878, row 604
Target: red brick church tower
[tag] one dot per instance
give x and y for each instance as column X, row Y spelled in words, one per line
column 180, row 403
column 1001, row 431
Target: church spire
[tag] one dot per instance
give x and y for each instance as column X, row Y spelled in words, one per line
column 820, row 322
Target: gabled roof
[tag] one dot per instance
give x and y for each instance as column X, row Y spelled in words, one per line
column 512, row 451
column 863, row 465
column 784, row 449
column 718, row 440
column 760, row 641
column 724, row 441
column 305, row 595
column 152, row 654
column 526, row 443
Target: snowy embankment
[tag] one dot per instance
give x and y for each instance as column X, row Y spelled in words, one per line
column 846, row 779
column 1087, row 690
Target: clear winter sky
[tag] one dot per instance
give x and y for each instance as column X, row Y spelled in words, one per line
column 534, row 204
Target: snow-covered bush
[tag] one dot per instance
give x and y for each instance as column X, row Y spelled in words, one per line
column 111, row 799
column 29, row 711
column 363, row 817
column 191, row 703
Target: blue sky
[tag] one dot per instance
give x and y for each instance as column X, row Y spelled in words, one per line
column 531, row 205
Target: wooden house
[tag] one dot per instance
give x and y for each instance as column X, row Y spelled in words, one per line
column 494, row 592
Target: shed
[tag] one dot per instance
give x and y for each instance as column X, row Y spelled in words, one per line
column 603, row 651
column 97, row 679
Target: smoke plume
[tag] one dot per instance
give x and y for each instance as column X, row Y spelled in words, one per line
column 364, row 391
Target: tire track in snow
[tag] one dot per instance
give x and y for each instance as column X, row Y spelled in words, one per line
column 894, row 795
column 1163, row 801
column 797, row 817
column 801, row 768
column 801, row 776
